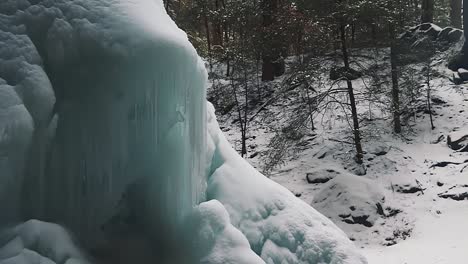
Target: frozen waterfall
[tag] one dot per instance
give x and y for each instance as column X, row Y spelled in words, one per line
column 119, row 99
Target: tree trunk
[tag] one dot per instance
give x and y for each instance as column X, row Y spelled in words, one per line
column 207, row 30
column 395, row 86
column 427, row 11
column 273, row 62
column 455, row 13
column 465, row 20
column 428, row 84
column 461, row 60
column 356, row 132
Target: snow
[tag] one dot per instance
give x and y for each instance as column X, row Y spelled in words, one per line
column 38, row 242
column 217, row 241
column 352, row 199
column 419, row 227
column 436, row 239
column 279, row 227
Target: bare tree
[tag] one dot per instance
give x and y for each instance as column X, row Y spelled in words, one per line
column 427, row 11
column 395, row 84
column 354, row 113
column 456, row 13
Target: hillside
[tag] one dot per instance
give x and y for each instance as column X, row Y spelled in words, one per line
column 409, row 206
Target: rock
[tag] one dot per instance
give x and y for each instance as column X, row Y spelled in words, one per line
column 443, row 35
column 460, row 144
column 457, row 193
column 438, row 101
column 438, row 140
column 343, row 73
column 463, row 73
column 430, row 30
column 253, row 155
column 459, row 60
column 408, row 188
column 359, row 170
column 424, row 44
column 321, row 176
column 443, row 164
column 322, row 153
column 456, row 79
column 352, row 200
column 455, row 35
column 379, row 150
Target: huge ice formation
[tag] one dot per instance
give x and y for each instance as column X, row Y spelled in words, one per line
column 103, row 120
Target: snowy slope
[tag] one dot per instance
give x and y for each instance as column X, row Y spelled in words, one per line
column 417, row 225
column 279, row 227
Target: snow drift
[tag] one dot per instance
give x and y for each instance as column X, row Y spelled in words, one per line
column 103, row 120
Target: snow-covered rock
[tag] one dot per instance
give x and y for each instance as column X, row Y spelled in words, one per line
column 351, row 199
column 39, row 242
column 321, row 175
column 280, row 227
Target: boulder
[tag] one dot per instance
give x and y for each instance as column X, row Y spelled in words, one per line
column 379, row 150
column 352, row 200
column 459, row 144
column 455, row 35
column 408, row 188
column 443, row 35
column 463, row 73
column 344, row 73
column 321, row 176
column 430, row 30
column 457, row 193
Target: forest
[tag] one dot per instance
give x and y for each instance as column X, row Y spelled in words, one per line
column 309, row 91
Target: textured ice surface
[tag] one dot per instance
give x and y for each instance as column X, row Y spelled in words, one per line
column 93, row 96
column 217, row 241
column 38, row 242
column 280, row 227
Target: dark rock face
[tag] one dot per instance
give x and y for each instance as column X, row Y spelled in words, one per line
column 460, row 144
column 408, row 188
column 456, row 79
column 343, row 73
column 457, row 193
column 450, row 35
column 423, row 41
column 455, row 35
column 430, row 29
column 357, row 220
column 463, row 73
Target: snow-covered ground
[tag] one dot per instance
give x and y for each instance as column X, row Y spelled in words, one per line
column 416, row 225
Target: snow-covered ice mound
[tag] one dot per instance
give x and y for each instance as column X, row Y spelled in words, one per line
column 39, row 242
column 216, row 240
column 97, row 96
